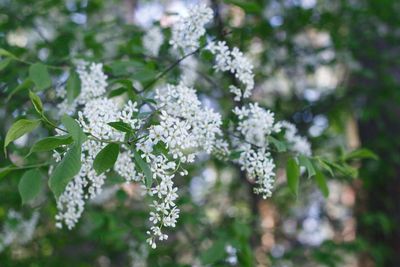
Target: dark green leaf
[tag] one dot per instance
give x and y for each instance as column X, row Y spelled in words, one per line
column 106, row 158
column 6, row 170
column 362, row 153
column 144, row 167
column 117, row 92
column 321, row 182
column 74, row 129
column 306, row 162
column 235, row 155
column 40, row 76
column 65, row 171
column 37, row 103
column 4, row 63
column 23, row 86
column 50, row 143
column 121, row 126
column 293, row 175
column 73, row 86
column 214, row 254
column 18, row 129
column 30, row 185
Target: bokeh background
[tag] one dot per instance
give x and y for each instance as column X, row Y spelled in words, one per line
column 330, row 66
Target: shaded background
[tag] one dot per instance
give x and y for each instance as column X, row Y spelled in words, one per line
column 332, row 67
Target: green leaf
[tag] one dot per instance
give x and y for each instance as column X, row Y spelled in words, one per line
column 40, row 76
column 30, row 185
column 65, row 171
column 144, row 167
column 22, row 86
column 18, row 129
column 279, row 145
column 214, row 254
column 6, row 170
column 73, row 86
column 121, row 126
column 235, row 155
column 117, row 92
column 362, row 153
column 144, row 75
column 74, row 129
column 293, row 175
column 37, row 103
column 306, row 162
column 321, row 182
column 106, row 158
column 50, row 143
column 4, row 63
column 5, row 53
column 248, row 6
column 325, row 165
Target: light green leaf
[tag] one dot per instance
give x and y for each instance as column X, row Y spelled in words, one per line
column 40, row 76
column 5, row 53
column 65, row 171
column 362, row 153
column 144, row 167
column 30, row 185
column 73, row 86
column 293, row 175
column 74, row 129
column 50, row 143
column 321, row 182
column 121, row 126
column 306, row 162
column 18, row 129
column 279, row 145
column 248, row 6
column 325, row 165
column 106, row 158
column 37, row 103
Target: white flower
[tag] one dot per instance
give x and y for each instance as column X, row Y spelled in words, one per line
column 298, row 143
column 17, row 230
column 235, row 62
column 152, row 40
column 255, row 123
column 187, row 31
column 259, row 166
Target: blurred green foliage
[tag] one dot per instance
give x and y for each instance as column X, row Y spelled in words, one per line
column 365, row 30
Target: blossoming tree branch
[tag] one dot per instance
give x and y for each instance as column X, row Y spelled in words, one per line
column 150, row 134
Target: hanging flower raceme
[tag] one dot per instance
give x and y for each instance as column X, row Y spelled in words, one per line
column 152, row 149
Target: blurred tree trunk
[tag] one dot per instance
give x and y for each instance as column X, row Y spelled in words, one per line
column 374, row 92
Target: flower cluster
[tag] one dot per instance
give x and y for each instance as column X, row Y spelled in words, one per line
column 16, row 230
column 255, row 123
column 187, row 31
column 186, row 129
column 93, row 84
column 235, row 62
column 259, row 166
column 297, row 143
column 152, row 40
column 96, row 113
